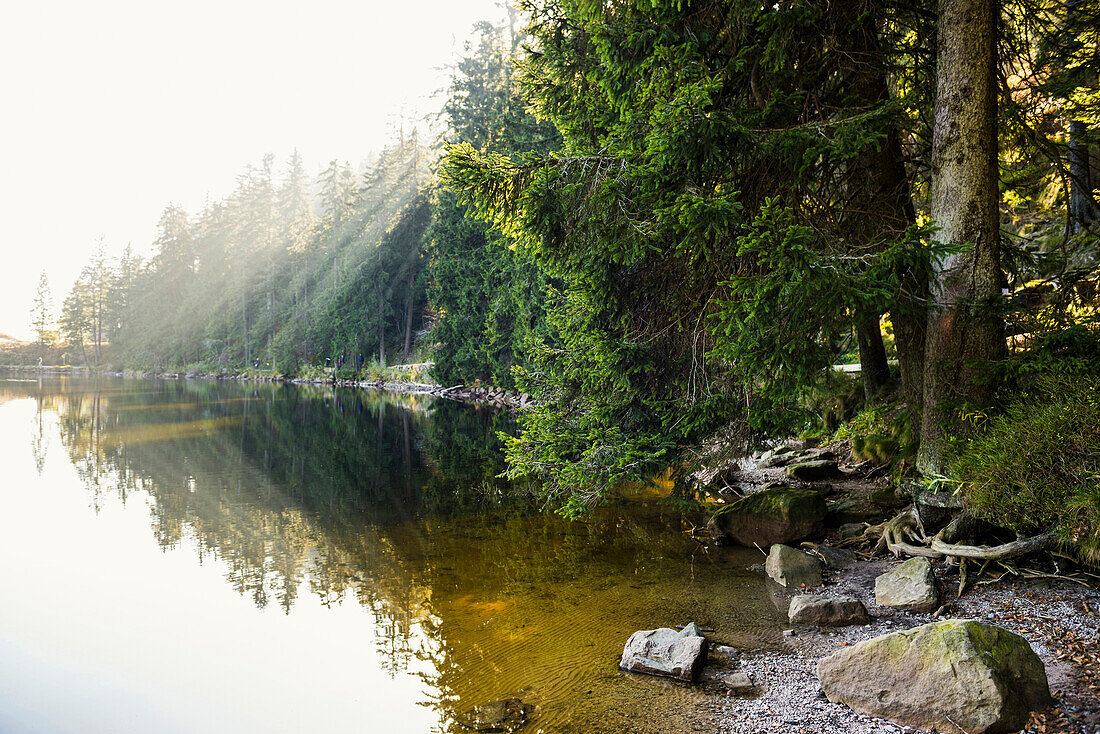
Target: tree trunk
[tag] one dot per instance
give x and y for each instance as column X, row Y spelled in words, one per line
column 1083, row 210
column 381, row 340
column 410, row 302
column 965, row 328
column 1082, row 207
column 874, row 370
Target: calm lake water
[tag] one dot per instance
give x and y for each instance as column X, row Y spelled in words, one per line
column 197, row 556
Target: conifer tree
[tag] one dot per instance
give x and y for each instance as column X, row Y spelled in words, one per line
column 42, row 317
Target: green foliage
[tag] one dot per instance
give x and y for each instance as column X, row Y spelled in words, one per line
column 487, row 295
column 1037, row 465
column 697, row 223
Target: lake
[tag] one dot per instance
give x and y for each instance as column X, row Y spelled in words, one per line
column 206, row 556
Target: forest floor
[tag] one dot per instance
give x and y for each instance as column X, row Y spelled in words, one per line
column 1060, row 618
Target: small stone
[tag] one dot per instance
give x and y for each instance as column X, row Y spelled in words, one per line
column 792, row 568
column 909, row 586
column 722, row 654
column 822, row 611
column 737, row 681
column 851, row 530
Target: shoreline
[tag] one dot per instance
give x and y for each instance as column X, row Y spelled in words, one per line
column 475, row 394
column 1057, row 617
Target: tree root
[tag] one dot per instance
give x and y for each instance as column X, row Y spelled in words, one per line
column 1016, row 548
column 898, row 532
column 905, row 534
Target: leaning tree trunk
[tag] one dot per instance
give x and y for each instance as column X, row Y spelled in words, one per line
column 965, row 329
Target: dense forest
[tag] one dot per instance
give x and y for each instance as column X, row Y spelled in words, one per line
column 667, row 220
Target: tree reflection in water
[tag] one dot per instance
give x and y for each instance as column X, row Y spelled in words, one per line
column 394, row 502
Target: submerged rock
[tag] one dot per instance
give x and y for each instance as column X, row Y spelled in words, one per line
column 909, row 586
column 950, row 676
column 722, row 655
column 666, row 652
column 823, row 611
column 733, row 682
column 781, row 515
column 507, row 715
column 792, row 568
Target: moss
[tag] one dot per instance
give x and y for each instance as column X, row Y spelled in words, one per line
column 795, row 504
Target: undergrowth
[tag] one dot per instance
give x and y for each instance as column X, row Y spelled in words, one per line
column 1037, row 465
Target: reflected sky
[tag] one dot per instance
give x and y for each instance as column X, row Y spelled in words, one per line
column 202, row 556
column 103, row 630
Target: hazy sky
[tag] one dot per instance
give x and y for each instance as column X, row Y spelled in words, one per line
column 110, row 110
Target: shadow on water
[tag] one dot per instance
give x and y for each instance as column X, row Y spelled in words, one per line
column 394, row 503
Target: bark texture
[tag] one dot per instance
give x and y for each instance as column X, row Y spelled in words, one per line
column 965, row 329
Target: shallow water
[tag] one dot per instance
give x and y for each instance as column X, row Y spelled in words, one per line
column 190, row 556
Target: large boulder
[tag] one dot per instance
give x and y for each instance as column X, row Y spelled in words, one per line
column 780, row 515
column 909, row 586
column 779, row 456
column 666, row 652
column 952, row 675
column 823, row 611
column 792, row 568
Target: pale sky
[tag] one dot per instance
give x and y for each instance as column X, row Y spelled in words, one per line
column 110, row 110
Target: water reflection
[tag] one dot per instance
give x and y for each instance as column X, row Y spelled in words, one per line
column 391, row 504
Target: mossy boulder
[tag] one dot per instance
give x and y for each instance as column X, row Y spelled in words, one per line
column 781, row 515
column 877, row 448
column 948, row 676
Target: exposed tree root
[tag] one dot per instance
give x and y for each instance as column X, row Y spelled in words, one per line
column 898, row 532
column 1016, row 548
column 905, row 535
